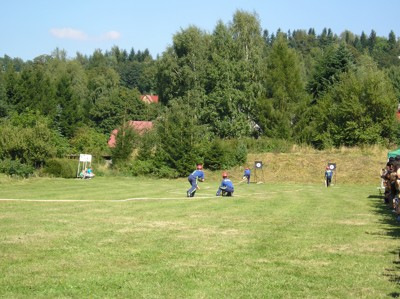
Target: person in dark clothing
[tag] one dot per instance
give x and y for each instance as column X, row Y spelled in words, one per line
column 246, row 175
column 193, row 178
column 328, row 176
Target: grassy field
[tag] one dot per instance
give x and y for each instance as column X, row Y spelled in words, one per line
column 141, row 238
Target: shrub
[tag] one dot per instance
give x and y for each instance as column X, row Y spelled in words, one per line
column 166, row 172
column 224, row 154
column 63, row 168
column 16, row 168
column 126, row 141
column 140, row 167
column 88, row 140
column 268, row 145
column 215, row 157
column 240, row 153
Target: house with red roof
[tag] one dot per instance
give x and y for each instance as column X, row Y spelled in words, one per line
column 140, row 127
column 149, row 98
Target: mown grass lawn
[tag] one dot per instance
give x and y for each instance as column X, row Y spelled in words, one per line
column 142, row 238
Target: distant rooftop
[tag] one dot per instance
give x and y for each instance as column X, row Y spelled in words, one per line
column 149, row 98
column 139, row 126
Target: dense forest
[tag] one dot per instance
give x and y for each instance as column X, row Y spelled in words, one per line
column 219, row 92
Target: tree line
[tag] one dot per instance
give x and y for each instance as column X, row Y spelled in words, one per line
column 217, row 91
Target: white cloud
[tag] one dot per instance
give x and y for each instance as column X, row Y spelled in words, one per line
column 112, row 35
column 69, row 33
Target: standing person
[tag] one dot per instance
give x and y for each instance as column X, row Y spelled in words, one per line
column 386, row 182
column 328, row 176
column 197, row 175
column 246, row 175
column 226, row 186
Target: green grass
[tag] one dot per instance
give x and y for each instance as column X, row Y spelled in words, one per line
column 141, row 238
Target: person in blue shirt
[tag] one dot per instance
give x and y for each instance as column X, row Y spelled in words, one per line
column 246, row 175
column 193, row 178
column 226, row 187
column 89, row 173
column 328, row 176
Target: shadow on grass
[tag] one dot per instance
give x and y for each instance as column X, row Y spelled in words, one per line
column 393, row 231
column 376, row 196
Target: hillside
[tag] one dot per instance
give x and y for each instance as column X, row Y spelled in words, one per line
column 354, row 166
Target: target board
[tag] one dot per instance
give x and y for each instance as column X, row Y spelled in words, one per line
column 332, row 166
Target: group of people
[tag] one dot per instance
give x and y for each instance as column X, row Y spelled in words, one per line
column 390, row 176
column 226, row 187
column 86, row 173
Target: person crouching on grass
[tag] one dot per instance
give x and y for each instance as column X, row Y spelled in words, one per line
column 197, row 175
column 226, row 186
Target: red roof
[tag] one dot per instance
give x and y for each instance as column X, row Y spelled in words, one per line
column 149, row 98
column 139, row 126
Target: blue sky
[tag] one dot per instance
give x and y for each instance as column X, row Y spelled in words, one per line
column 30, row 28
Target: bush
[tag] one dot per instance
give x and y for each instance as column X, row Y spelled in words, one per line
column 88, row 140
column 166, row 172
column 63, row 168
column 140, row 167
column 215, row 157
column 268, row 145
column 16, row 168
column 126, row 142
column 149, row 167
column 224, row 154
column 240, row 153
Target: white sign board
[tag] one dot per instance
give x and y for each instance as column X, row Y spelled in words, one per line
column 85, row 158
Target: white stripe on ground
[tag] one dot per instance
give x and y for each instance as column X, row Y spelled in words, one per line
column 141, row 198
column 100, row 200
